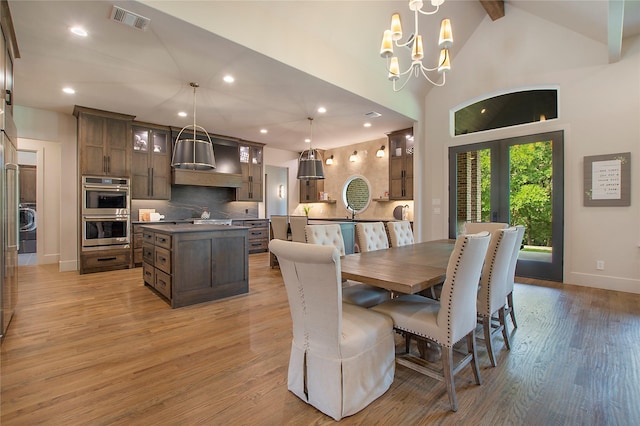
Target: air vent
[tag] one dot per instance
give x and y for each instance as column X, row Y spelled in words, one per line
column 373, row 114
column 129, row 18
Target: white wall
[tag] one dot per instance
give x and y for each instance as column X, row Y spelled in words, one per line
column 599, row 113
column 53, row 136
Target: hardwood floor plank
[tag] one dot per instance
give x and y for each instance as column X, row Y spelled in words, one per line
column 103, row 349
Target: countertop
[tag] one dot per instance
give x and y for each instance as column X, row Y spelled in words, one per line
column 178, row 228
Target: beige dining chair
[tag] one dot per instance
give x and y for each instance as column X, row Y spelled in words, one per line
column 493, row 287
column 297, row 224
column 511, row 275
column 279, row 230
column 342, row 355
column 400, row 233
column 353, row 292
column 449, row 320
column 475, row 227
column 371, row 236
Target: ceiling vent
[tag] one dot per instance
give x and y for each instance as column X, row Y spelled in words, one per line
column 129, row 18
column 373, row 114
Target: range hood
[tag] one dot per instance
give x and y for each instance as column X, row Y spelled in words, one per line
column 227, row 173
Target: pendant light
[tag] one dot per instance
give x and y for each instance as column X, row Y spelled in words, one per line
column 192, row 153
column 310, row 162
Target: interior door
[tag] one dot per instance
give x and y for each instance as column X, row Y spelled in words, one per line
column 519, row 181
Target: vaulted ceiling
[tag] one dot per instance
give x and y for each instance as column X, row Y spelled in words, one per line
column 288, row 59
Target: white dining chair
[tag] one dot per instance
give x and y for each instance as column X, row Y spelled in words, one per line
column 297, row 224
column 511, row 275
column 354, row 293
column 342, row 355
column 400, row 233
column 475, row 227
column 279, row 229
column 449, row 320
column 371, row 236
column 493, row 288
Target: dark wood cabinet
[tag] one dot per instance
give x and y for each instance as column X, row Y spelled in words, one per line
column 104, row 260
column 104, row 142
column 258, row 233
column 310, row 190
column 151, row 163
column 28, row 182
column 252, row 171
column 401, row 165
column 190, row 264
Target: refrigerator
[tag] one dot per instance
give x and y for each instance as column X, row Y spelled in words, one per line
column 10, row 229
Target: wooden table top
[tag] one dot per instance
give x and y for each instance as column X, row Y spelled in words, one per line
column 407, row 269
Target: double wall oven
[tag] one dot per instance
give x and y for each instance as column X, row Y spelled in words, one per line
column 105, row 213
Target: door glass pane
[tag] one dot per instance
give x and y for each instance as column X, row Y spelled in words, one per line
column 530, row 197
column 473, row 187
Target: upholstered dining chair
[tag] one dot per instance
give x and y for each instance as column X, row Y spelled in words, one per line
column 493, row 287
column 371, row 236
column 352, row 292
column 279, row 230
column 475, row 227
column 511, row 274
column 342, row 355
column 297, row 225
column 400, row 233
column 449, row 320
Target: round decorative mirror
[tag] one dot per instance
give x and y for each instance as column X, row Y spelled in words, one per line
column 356, row 194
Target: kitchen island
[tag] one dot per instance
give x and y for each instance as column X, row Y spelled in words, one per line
column 189, row 263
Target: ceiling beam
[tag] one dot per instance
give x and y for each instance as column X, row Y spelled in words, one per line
column 494, row 8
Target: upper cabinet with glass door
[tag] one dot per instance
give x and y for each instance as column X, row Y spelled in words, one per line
column 251, row 165
column 151, row 169
column 401, row 165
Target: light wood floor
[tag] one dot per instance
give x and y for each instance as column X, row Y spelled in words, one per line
column 102, row 349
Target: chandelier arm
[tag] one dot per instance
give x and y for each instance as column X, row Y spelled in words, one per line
column 431, row 81
column 403, row 84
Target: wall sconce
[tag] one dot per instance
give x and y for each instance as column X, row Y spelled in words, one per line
column 353, row 157
column 281, row 191
column 329, row 161
column 380, row 152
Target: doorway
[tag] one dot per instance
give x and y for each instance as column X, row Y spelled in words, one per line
column 27, row 254
column 519, row 181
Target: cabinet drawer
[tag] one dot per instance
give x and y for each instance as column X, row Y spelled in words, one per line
column 255, row 223
column 162, row 259
column 148, row 254
column 107, row 260
column 149, row 274
column 163, row 284
column 163, row 240
column 258, row 234
column 148, row 237
column 260, row 245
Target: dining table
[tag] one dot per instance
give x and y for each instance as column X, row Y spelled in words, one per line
column 405, row 269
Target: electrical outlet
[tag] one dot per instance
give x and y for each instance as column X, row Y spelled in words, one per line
column 600, row 265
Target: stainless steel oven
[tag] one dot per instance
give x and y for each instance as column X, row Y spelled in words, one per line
column 105, row 196
column 106, row 231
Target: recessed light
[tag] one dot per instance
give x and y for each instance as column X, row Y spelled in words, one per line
column 68, row 90
column 307, row 140
column 367, row 124
column 79, row 31
column 322, row 110
column 264, row 131
column 229, row 79
column 182, row 114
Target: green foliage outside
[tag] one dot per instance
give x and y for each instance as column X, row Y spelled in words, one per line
column 530, row 190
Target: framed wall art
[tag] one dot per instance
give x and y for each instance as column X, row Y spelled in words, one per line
column 607, row 180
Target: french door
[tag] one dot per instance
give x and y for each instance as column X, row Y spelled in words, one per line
column 519, row 181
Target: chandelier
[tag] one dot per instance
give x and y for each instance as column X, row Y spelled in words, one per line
column 414, row 42
column 310, row 161
column 193, row 153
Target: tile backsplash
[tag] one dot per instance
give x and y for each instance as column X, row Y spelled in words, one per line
column 190, row 201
